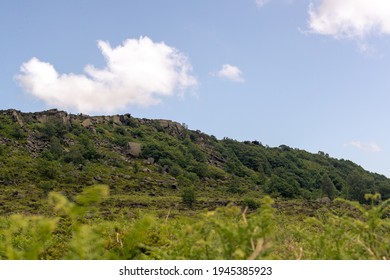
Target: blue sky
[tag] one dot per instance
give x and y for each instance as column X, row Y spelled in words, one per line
column 312, row 75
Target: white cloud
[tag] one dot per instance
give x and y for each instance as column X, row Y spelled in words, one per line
column 261, row 3
column 138, row 72
column 354, row 19
column 371, row 147
column 231, row 72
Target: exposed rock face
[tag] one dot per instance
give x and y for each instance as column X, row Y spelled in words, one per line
column 36, row 145
column 44, row 116
column 17, row 117
column 173, row 128
column 116, row 120
column 164, row 123
column 133, row 149
column 15, row 114
column 87, row 123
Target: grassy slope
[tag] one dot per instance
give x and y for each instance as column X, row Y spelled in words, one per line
column 51, row 151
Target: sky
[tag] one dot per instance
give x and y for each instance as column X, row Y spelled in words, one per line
column 309, row 74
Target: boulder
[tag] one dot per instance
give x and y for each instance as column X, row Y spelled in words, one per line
column 133, row 149
column 116, row 120
column 87, row 123
column 164, row 123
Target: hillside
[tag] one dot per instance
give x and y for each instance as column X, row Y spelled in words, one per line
column 118, row 187
column 53, row 150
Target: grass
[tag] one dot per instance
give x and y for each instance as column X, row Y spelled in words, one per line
column 93, row 225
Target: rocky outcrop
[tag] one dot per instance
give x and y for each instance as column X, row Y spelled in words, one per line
column 116, row 120
column 87, row 123
column 133, row 149
column 45, row 116
column 17, row 117
column 35, row 144
column 173, row 128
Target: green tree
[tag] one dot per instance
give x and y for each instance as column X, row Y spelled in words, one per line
column 56, row 148
column 358, row 185
column 328, row 187
column 279, row 186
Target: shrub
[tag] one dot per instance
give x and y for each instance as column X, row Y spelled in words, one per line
column 47, row 169
column 188, row 196
column 251, row 203
column 54, row 127
column 46, row 186
column 18, row 133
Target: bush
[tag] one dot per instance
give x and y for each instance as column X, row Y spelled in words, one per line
column 82, row 151
column 251, row 203
column 75, row 155
column 54, row 127
column 236, row 186
column 47, row 186
column 47, row 169
column 18, row 133
column 188, row 196
column 175, row 170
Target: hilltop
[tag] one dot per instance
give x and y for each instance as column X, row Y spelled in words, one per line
column 54, row 150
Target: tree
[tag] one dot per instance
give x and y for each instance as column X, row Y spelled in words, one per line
column 288, row 188
column 328, row 187
column 359, row 185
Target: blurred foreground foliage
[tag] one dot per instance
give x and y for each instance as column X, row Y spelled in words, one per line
column 77, row 231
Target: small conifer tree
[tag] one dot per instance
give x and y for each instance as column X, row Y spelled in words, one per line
column 328, row 187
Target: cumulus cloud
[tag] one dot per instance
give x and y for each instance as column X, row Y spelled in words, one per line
column 230, row 72
column 354, row 19
column 261, row 3
column 138, row 72
column 371, row 147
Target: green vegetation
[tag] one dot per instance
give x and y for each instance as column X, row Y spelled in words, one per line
column 188, row 196
column 225, row 233
column 162, row 191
